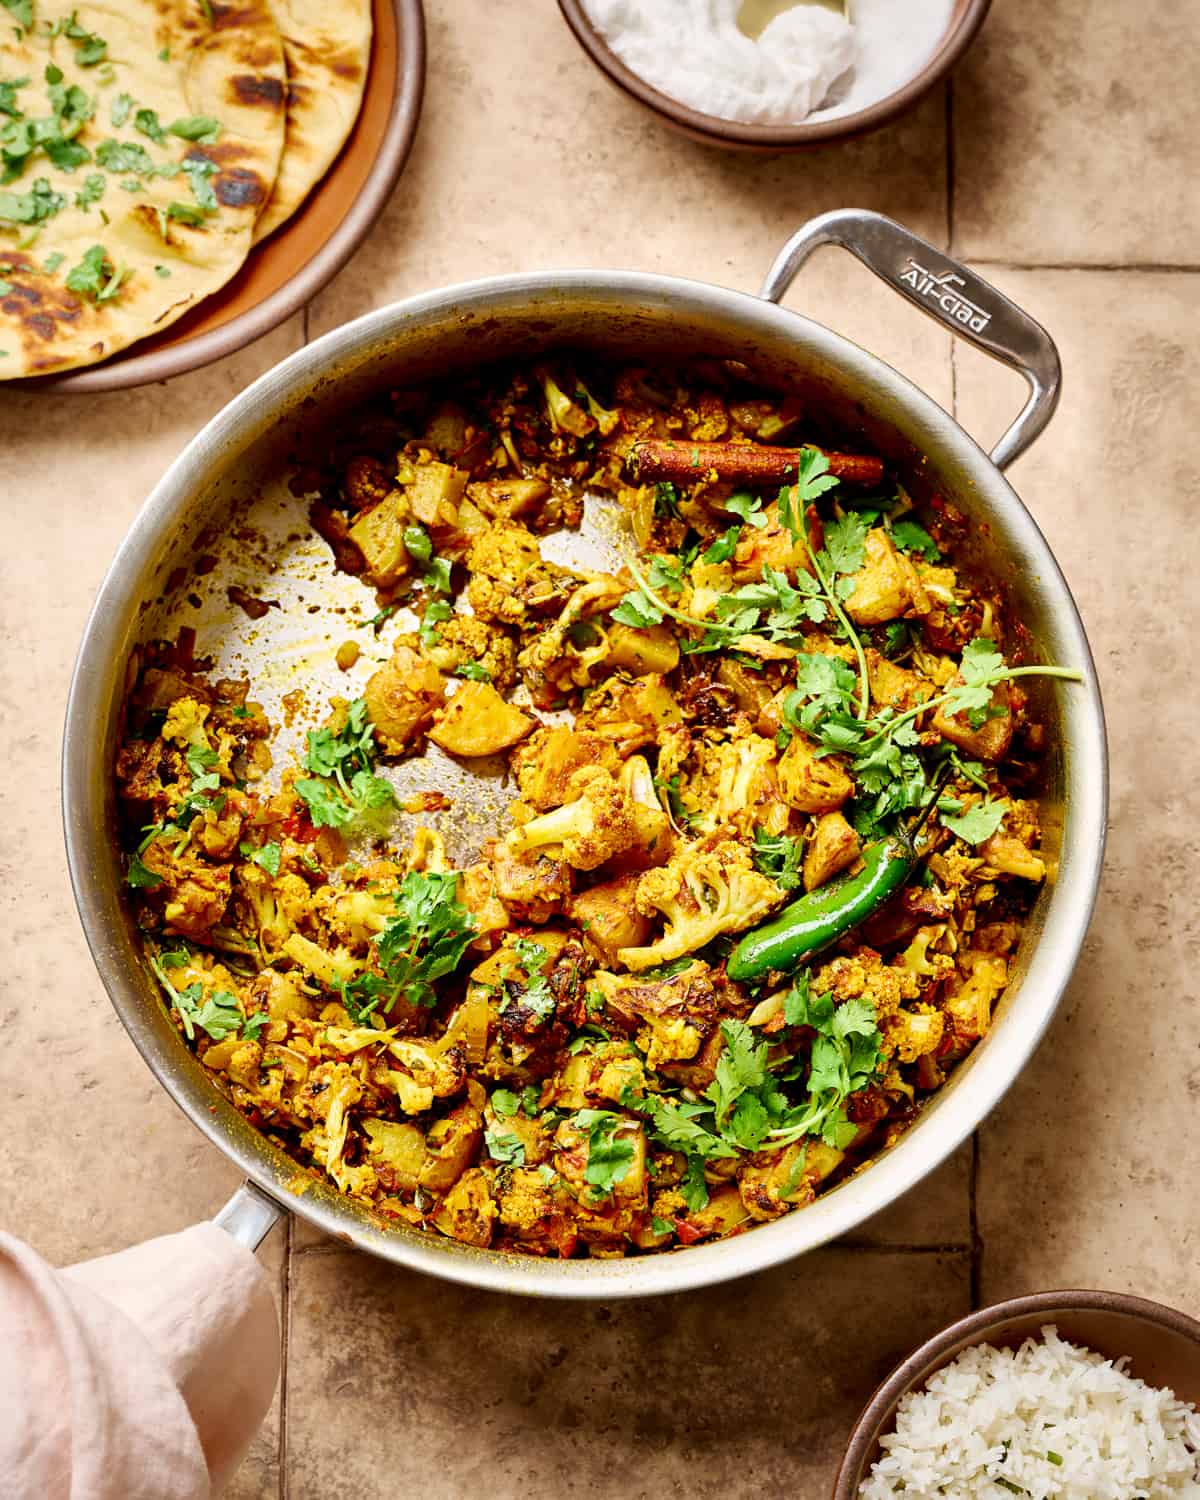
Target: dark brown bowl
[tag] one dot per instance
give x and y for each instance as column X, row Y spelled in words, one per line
column 711, row 130
column 294, row 263
column 1163, row 1347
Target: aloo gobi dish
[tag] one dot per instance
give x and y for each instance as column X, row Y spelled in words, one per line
column 771, row 839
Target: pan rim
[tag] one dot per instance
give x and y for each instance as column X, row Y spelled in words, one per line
column 993, row 1068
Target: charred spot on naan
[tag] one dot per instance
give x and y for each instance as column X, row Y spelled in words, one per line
column 258, row 89
column 236, row 185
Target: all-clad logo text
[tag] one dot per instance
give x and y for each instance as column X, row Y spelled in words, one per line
column 942, row 290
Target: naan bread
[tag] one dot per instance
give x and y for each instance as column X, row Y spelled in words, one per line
column 328, row 51
column 142, row 140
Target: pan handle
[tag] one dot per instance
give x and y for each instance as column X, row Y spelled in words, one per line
column 249, row 1216
column 944, row 289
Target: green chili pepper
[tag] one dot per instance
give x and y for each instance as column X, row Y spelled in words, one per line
column 817, row 920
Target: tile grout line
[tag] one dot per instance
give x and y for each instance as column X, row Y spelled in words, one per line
column 975, row 1246
column 1142, row 267
column 285, row 1344
column 976, row 1238
column 284, row 1351
column 949, row 127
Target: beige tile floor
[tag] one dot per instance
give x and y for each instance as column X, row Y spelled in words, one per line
column 1066, row 170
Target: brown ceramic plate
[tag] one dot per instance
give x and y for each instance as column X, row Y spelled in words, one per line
column 290, row 267
column 1163, row 1347
column 711, row 130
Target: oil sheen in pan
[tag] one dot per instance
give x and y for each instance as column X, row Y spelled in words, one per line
column 267, row 551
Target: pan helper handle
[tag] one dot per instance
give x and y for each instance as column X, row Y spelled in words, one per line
column 944, row 289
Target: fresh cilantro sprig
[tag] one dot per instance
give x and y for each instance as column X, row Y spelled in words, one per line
column 610, row 1155
column 422, row 943
column 219, row 1015
column 535, row 994
column 754, row 1105
column 779, row 857
column 343, row 784
column 977, row 824
column 434, row 571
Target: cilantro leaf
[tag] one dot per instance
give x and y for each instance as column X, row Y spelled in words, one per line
column 91, row 191
column 723, row 548
column 426, row 939
column 119, row 110
column 610, row 1155
column 911, row 537
column 201, row 128
column 95, row 276
column 199, row 169
column 694, row 1189
column 147, row 122
column 139, row 876
column 434, row 571
column 637, row 610
column 32, row 207
column 666, row 501
column 21, row 11
column 749, row 507
column 473, row 671
column 505, row 1103
column 124, row 156
column 845, row 541
column 813, row 479
column 268, row 856
column 504, row 1147
column 676, row 1125
column 666, row 573
column 345, row 762
column 978, row 823
column 779, row 857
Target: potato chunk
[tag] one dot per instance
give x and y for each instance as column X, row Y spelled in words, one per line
column 992, row 739
column 643, row 651
column 402, row 698
column 812, row 783
column 477, row 721
column 608, row 918
column 886, row 586
column 379, row 536
column 833, row 848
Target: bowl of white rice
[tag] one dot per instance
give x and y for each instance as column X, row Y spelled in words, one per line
column 1072, row 1395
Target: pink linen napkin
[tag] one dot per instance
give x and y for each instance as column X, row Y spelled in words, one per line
column 139, row 1376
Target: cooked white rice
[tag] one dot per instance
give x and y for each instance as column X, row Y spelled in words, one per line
column 1050, row 1420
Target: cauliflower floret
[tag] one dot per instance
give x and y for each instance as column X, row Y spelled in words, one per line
column 331, row 968
column 194, row 893
column 910, row 1034
column 596, row 824
column 508, row 575
column 463, row 639
column 737, row 784
column 969, row 1010
column 708, row 888
column 184, row 724
column 567, row 652
column 863, row 975
column 547, row 760
column 676, row 1015
column 278, row 905
column 654, row 840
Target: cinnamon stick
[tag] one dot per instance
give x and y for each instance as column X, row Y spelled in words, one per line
column 741, row 463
